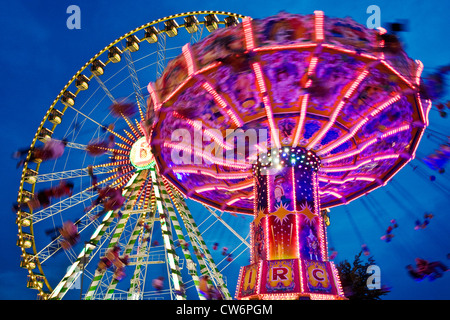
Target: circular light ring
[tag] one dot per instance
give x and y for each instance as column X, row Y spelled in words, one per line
column 287, row 157
column 140, row 155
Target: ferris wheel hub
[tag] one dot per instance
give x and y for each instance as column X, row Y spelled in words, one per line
column 140, row 155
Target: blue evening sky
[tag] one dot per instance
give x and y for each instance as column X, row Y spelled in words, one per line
column 40, row 54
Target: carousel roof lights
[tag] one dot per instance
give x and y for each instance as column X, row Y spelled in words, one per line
column 318, row 22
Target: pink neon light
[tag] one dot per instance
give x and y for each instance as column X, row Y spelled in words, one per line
column 219, row 100
column 269, row 194
column 300, row 269
column 428, row 111
column 381, row 43
column 266, row 240
column 252, row 225
column 296, row 219
column 262, row 89
column 318, row 21
column 293, row 189
column 358, row 126
column 350, row 179
column 229, row 203
column 317, row 209
column 348, row 51
column 220, row 176
column 387, row 65
column 323, row 243
column 248, row 33
column 273, row 129
column 365, row 145
column 337, row 280
column 297, row 235
column 336, row 112
column 222, row 187
column 359, row 164
column 259, row 77
column 284, row 47
column 187, row 53
column 209, row 67
column 381, row 30
column 333, row 193
column 178, row 89
column 304, row 105
column 340, row 49
column 301, row 121
column 312, row 67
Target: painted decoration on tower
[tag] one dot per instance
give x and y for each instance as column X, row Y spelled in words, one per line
column 309, row 234
column 280, row 276
column 317, row 277
column 308, row 217
column 249, row 280
column 281, row 190
column 282, row 228
column 259, row 247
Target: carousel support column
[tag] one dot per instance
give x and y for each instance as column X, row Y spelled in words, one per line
column 288, row 243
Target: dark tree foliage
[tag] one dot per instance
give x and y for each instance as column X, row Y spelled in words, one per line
column 354, row 279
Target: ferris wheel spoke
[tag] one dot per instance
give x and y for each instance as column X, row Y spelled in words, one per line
column 63, row 205
column 54, row 246
column 136, row 85
column 233, row 253
column 161, row 55
column 214, row 213
column 69, row 174
column 103, row 86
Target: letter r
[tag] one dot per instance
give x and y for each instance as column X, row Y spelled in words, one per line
column 280, row 273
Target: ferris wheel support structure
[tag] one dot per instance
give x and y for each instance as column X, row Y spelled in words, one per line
column 65, row 111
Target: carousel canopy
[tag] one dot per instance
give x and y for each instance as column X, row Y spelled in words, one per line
column 347, row 93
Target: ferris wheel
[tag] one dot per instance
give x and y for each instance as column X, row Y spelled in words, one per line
column 155, row 228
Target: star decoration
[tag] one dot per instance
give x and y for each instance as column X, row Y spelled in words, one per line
column 281, row 213
column 258, row 218
column 306, row 211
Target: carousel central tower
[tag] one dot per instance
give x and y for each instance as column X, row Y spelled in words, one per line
column 289, row 250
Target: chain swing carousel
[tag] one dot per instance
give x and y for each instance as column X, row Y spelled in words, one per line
column 343, row 113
